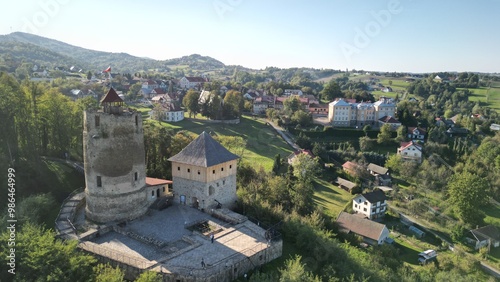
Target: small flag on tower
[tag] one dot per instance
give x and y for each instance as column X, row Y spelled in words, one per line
column 107, row 70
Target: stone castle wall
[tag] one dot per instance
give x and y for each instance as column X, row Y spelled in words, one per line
column 222, row 190
column 113, row 150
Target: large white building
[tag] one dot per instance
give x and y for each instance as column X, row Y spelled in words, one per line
column 342, row 113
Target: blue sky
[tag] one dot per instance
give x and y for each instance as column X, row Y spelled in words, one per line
column 382, row 35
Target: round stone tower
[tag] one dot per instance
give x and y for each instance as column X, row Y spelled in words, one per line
column 114, row 159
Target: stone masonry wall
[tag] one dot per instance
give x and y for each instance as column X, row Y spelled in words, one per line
column 113, row 149
column 224, row 192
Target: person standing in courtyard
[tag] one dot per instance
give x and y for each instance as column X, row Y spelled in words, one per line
column 212, row 237
column 202, row 263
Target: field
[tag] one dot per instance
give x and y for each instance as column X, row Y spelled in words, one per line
column 331, row 198
column 489, row 96
column 262, row 142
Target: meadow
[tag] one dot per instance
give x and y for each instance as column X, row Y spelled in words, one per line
column 262, row 143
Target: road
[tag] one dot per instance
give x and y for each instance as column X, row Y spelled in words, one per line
column 285, row 135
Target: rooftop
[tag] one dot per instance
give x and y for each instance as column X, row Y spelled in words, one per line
column 377, row 169
column 364, row 227
column 204, row 151
column 111, row 96
column 150, row 181
column 375, row 196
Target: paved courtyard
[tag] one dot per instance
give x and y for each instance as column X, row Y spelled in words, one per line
column 175, row 248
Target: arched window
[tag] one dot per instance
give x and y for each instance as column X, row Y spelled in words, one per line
column 211, row 190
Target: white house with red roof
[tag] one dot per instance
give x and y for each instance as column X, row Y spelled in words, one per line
column 410, row 151
column 189, row 82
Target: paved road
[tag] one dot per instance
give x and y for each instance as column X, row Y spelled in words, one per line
column 286, row 136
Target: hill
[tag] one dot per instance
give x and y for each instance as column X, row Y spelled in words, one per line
column 21, row 47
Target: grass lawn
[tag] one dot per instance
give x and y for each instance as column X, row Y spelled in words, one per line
column 330, row 197
column 490, row 96
column 60, row 180
column 492, row 214
column 494, row 257
column 262, row 142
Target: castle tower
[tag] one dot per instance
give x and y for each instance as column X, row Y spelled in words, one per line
column 204, row 174
column 114, row 160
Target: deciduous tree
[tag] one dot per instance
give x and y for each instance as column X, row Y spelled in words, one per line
column 467, row 194
column 385, row 134
column 190, row 101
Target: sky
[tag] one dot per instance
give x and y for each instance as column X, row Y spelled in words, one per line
column 373, row 35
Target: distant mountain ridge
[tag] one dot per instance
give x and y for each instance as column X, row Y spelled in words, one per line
column 15, row 48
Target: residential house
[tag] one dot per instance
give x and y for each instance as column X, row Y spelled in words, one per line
column 298, row 152
column 372, row 205
column 392, row 122
column 381, row 174
column 189, row 82
column 346, row 184
column 261, row 104
column 487, row 236
column 159, row 99
column 290, row 92
column 372, row 232
column 416, row 133
column 351, row 168
column 170, row 112
column 150, row 84
column 410, row 151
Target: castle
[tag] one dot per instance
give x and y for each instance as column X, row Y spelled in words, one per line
column 204, row 173
column 114, row 162
column 124, row 229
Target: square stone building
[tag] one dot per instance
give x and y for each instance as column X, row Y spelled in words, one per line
column 204, row 174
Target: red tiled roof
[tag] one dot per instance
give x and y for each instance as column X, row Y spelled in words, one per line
column 349, row 165
column 302, row 151
column 150, row 181
column 389, row 119
column 111, row 96
column 405, row 145
column 421, row 130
